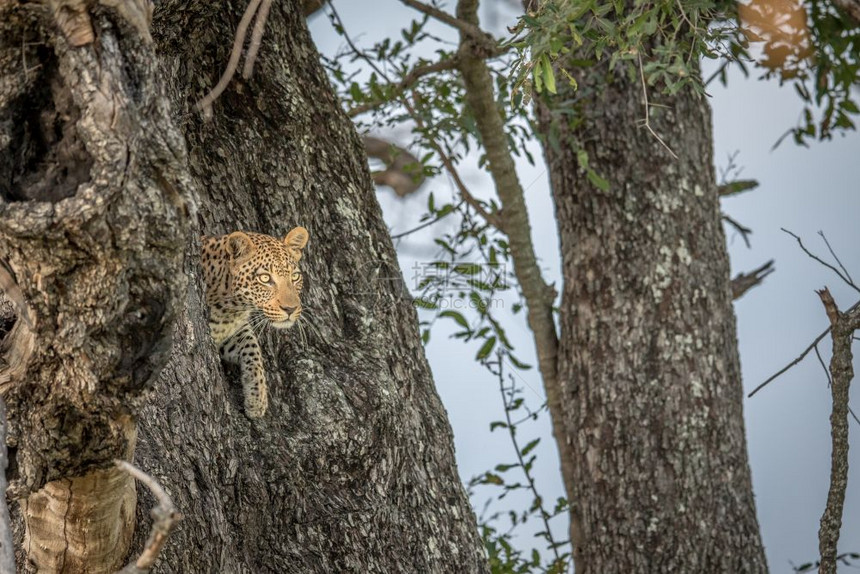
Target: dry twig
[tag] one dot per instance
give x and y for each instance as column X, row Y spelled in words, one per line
column 742, row 229
column 647, row 120
column 256, row 38
column 846, row 278
column 205, row 104
column 743, row 282
column 164, row 518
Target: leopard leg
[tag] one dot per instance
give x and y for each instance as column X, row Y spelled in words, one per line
column 243, row 349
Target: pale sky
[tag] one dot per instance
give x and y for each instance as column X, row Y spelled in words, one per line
column 803, row 190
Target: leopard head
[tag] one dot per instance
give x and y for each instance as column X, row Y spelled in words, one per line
column 265, row 275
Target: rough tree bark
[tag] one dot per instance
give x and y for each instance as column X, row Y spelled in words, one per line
column 648, row 354
column 352, row 469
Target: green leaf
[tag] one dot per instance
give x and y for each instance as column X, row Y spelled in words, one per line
column 737, row 186
column 467, row 268
column 548, row 75
column 486, row 349
column 530, row 446
column 537, row 76
column 597, row 181
column 491, row 478
column 457, row 317
column 519, row 364
column 498, row 424
column 849, row 106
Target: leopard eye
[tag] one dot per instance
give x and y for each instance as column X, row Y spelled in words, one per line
column 296, row 276
column 264, row 278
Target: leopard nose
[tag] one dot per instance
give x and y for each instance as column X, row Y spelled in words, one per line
column 288, row 310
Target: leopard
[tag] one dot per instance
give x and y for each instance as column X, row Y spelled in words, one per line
column 251, row 279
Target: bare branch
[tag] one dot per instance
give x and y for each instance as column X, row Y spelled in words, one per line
column 403, row 171
column 799, row 358
column 841, row 373
column 836, row 257
column 830, row 381
column 428, row 223
column 7, row 550
column 473, row 31
column 491, row 218
column 256, row 38
column 647, row 120
column 743, row 282
column 539, row 296
column 205, row 105
column 742, row 229
column 845, row 278
column 823, row 366
column 408, row 81
column 164, row 518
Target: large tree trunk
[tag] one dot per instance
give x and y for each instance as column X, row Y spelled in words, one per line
column 352, row 469
column 648, row 351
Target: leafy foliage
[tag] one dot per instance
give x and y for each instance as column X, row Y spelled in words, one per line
column 504, row 557
column 390, row 84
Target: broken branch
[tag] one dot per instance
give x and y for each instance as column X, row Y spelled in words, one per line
column 205, row 105
column 743, row 282
column 164, row 518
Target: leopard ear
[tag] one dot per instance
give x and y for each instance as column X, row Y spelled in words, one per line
column 239, row 245
column 296, row 240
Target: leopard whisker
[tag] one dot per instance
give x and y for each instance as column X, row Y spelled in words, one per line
column 303, row 335
column 313, row 327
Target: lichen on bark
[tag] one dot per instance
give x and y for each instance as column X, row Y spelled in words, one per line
column 648, row 356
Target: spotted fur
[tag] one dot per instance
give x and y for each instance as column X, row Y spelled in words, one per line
column 251, row 277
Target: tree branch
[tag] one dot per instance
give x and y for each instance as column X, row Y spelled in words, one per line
column 256, row 38
column 742, row 229
column 845, row 278
column 468, row 28
column 164, row 518
column 491, row 218
column 841, row 373
column 408, row 81
column 743, row 282
column 205, row 104
column 403, row 171
column 539, row 296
